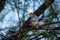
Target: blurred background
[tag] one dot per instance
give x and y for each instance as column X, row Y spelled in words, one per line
column 13, row 13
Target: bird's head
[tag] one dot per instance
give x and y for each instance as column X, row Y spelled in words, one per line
column 32, row 14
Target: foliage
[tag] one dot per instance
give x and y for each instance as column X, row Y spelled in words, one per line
column 47, row 2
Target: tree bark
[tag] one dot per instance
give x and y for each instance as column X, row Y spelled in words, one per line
column 2, row 4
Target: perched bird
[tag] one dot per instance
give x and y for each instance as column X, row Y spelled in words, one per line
column 34, row 20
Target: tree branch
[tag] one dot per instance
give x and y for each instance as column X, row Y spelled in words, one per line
column 26, row 26
column 42, row 8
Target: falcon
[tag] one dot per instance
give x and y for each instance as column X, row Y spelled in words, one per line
column 34, row 20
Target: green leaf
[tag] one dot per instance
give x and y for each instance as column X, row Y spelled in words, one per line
column 26, row 38
column 48, row 2
column 49, row 20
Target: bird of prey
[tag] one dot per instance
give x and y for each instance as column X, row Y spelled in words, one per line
column 33, row 20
